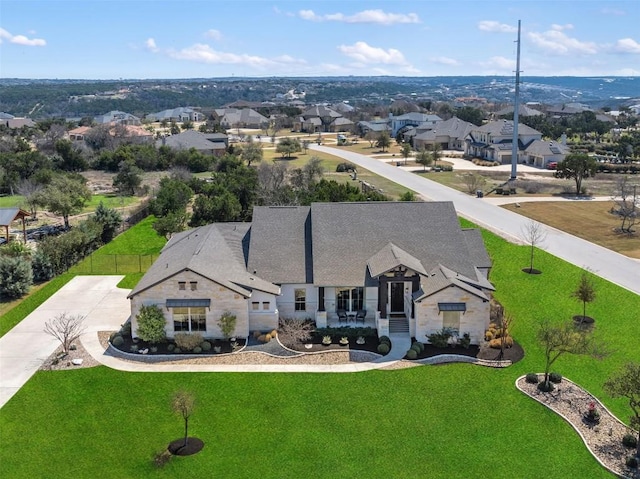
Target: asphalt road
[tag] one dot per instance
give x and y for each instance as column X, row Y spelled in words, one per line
column 607, row 264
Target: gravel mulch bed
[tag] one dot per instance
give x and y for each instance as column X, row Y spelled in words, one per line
column 55, row 363
column 604, row 440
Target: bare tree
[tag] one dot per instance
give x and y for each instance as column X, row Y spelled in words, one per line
column 66, row 329
column 31, row 191
column 292, row 330
column 627, row 204
column 183, row 403
column 473, row 182
column 505, row 324
column 533, row 234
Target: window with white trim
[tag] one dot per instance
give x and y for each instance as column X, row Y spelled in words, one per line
column 189, row 319
column 300, row 295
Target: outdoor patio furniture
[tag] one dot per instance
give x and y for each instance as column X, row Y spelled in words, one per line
column 360, row 315
column 342, row 315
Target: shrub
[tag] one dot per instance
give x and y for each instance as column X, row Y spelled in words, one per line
column 171, row 347
column 546, row 387
column 555, row 378
column 188, row 341
column 274, row 333
column 419, row 345
column 629, row 440
column 117, row 341
column 205, row 346
column 15, row 276
column 384, row 339
column 41, row 267
column 153, row 349
column 177, row 350
column 439, row 339
column 133, row 348
column 415, row 347
column 262, row 338
column 383, row 348
column 197, row 350
column 267, row 337
column 151, row 323
column 256, row 334
column 411, row 354
column 532, row 378
column 488, row 336
column 465, row 341
column 344, row 167
column 632, row 462
column 294, row 330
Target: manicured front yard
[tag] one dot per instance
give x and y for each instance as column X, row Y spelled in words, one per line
column 452, row 421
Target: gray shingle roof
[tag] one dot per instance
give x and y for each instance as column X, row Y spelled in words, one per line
column 346, row 235
column 280, row 245
column 391, row 257
column 547, row 148
column 476, row 248
column 190, row 139
column 505, row 127
column 453, row 128
column 216, row 251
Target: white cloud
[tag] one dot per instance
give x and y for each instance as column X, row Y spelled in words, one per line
column 363, row 53
column 499, row 64
column 445, row 61
column 289, row 59
column 560, row 28
column 493, row 26
column 627, row 72
column 612, row 11
column 558, row 43
column 378, row 16
column 627, row 45
column 151, row 45
column 213, row 34
column 21, row 39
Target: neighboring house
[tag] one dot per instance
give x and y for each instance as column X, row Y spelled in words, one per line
column 449, row 134
column 15, row 123
column 78, row 134
column 523, row 110
column 408, row 264
column 206, row 143
column 413, row 119
column 373, row 126
column 117, row 117
column 123, row 132
column 493, row 141
column 179, row 115
column 540, row 153
column 243, row 118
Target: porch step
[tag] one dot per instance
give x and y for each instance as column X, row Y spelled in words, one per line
column 398, row 325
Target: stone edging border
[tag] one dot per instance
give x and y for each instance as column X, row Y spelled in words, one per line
column 458, row 358
column 584, row 440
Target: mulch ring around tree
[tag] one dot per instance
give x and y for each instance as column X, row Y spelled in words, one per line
column 531, row 271
column 178, row 447
column 584, row 322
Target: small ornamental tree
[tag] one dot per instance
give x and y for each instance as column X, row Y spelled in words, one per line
column 151, row 324
column 626, row 383
column 533, row 234
column 183, row 403
column 384, row 141
column 424, row 158
column 406, row 151
column 227, row 324
column 66, row 329
column 585, row 292
column 577, row 166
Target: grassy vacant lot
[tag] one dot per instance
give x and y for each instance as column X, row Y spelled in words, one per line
column 589, row 220
column 454, row 421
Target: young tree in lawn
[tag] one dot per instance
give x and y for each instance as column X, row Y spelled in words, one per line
column 436, row 153
column 384, row 141
column 577, row 166
column 585, row 292
column 557, row 340
column 626, row 198
column 151, row 324
column 67, row 195
column 66, row 329
column 533, row 234
column 405, row 151
column 372, row 138
column 626, row 383
column 423, row 157
column 183, row 403
column 287, row 146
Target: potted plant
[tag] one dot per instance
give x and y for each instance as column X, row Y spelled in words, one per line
column 344, row 341
column 360, row 340
column 326, row 340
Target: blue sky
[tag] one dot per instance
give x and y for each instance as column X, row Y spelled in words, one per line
column 109, row 39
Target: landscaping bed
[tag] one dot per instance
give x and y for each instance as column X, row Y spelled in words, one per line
column 218, row 346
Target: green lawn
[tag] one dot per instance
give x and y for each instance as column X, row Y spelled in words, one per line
column 442, row 422
column 141, row 239
column 11, row 201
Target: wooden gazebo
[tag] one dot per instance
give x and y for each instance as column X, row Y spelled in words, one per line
column 8, row 216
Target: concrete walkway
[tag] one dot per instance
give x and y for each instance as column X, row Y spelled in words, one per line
column 607, row 264
column 27, row 346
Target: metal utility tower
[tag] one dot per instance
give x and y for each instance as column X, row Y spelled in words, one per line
column 516, row 111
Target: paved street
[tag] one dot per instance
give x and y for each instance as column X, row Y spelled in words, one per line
column 608, row 264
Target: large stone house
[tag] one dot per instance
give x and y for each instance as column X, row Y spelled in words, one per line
column 405, row 267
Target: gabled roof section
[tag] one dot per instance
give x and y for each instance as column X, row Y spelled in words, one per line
column 280, row 244
column 440, row 278
column 505, row 128
column 345, row 234
column 216, row 251
column 190, row 139
column 476, row 248
column 391, row 257
column 546, row 148
column 9, row 215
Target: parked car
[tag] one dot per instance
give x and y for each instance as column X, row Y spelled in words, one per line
column 552, row 165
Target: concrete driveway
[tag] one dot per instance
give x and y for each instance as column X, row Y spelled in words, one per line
column 607, row 264
column 26, row 346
